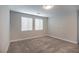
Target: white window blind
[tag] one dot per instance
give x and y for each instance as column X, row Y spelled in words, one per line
column 38, row 24
column 26, row 24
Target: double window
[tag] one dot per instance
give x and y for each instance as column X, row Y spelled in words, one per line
column 27, row 24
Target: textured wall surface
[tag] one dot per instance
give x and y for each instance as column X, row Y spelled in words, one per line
column 63, row 25
column 4, row 28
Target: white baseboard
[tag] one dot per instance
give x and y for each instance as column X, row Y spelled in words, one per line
column 45, row 35
column 64, row 39
column 28, row 38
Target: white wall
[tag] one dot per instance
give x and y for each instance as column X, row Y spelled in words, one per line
column 63, row 25
column 78, row 26
column 17, row 34
column 4, row 28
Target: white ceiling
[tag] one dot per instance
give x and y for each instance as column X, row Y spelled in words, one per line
column 38, row 10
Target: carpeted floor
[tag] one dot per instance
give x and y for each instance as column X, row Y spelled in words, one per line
column 43, row 45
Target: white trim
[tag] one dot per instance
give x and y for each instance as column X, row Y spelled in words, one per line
column 42, row 36
column 64, row 39
column 28, row 38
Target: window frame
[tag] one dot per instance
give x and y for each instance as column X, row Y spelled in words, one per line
column 21, row 24
column 33, row 24
column 42, row 24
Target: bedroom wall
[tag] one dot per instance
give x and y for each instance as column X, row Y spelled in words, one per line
column 78, row 26
column 63, row 25
column 17, row 34
column 4, row 28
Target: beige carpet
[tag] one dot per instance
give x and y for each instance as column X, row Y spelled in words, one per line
column 43, row 45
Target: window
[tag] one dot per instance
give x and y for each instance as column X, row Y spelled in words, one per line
column 38, row 24
column 26, row 24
